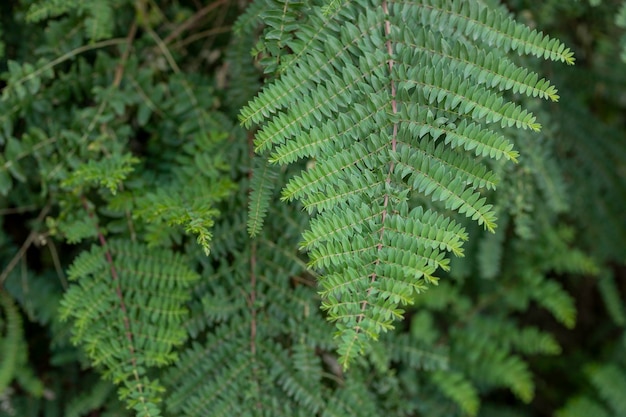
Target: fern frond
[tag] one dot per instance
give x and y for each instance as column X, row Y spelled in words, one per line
column 551, row 295
column 608, row 379
column 126, row 310
column 271, row 346
column 87, row 402
column 455, row 386
column 314, row 71
column 494, row 365
column 98, row 24
column 583, row 407
column 43, row 10
column 444, row 88
column 492, row 67
column 250, row 19
column 610, row 382
column 611, row 297
column 14, row 359
column 490, row 251
column 430, row 178
column 488, row 26
column 192, row 207
column 546, row 172
column 290, row 377
column 350, row 401
column 197, row 361
column 410, row 352
column 108, row 172
column 388, row 111
column 243, row 75
column 280, row 20
column 185, row 198
column 262, row 184
column 530, row 340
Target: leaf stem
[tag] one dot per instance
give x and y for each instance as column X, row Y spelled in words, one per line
column 118, row 289
column 69, row 55
column 394, row 107
column 22, row 251
column 195, row 18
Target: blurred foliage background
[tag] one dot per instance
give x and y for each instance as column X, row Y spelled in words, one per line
column 118, row 120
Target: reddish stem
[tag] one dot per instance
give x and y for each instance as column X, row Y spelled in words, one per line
column 394, row 108
column 253, row 279
column 118, row 291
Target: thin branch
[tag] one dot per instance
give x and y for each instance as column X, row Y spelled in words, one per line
column 119, row 71
column 57, row 264
column 118, row 289
column 151, row 105
column 17, row 210
column 187, row 24
column 31, row 151
column 32, row 236
column 200, row 35
column 69, row 55
column 164, row 50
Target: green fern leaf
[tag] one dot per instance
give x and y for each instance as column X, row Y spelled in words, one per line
column 250, row 19
column 126, row 309
column 100, row 23
column 610, row 381
column 551, row 295
column 42, row 10
column 108, row 172
column 612, row 301
column 388, row 111
column 87, row 402
column 455, row 386
column 262, row 185
column 583, row 407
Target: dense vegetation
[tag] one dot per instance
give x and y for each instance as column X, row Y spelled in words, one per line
column 312, row 208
